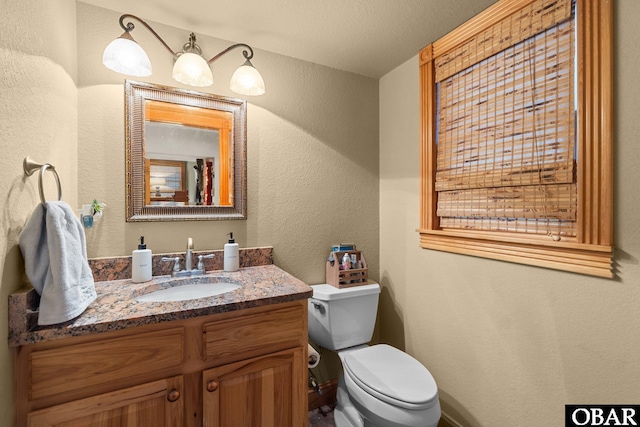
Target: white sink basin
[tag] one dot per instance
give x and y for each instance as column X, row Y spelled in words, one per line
column 188, row 291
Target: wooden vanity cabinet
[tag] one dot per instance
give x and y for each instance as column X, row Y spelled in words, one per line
column 158, row 403
column 243, row 368
column 262, row 391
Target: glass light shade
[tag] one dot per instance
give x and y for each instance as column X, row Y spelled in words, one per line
column 153, row 181
column 192, row 69
column 247, row 80
column 125, row 56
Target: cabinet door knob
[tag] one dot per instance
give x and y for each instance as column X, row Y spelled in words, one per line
column 212, row 385
column 173, row 395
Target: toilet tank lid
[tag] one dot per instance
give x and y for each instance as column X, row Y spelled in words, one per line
column 327, row 292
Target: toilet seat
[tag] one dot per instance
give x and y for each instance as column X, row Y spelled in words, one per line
column 392, row 376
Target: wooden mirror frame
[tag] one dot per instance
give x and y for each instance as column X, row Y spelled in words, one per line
column 136, row 94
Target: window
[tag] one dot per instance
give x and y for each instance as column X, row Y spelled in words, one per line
column 516, row 136
column 166, row 179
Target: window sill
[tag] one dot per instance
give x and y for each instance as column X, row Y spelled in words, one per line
column 594, row 260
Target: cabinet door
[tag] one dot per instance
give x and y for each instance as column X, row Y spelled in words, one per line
column 155, row 404
column 266, row 391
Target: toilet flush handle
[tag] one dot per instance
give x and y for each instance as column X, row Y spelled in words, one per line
column 318, row 307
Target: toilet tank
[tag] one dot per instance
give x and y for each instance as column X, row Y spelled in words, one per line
column 342, row 318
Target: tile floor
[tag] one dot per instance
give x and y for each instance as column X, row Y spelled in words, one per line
column 321, row 417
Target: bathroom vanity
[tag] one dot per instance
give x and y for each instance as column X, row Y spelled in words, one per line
column 237, row 359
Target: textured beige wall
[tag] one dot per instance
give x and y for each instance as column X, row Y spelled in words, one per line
column 312, row 146
column 38, row 115
column 312, row 153
column 312, row 143
column 510, row 345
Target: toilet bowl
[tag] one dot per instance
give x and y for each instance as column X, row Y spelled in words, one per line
column 380, row 386
column 390, row 388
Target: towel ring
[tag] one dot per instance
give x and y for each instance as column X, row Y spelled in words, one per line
column 29, row 166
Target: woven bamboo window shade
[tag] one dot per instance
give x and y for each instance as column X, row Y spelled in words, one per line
column 506, row 127
column 502, row 158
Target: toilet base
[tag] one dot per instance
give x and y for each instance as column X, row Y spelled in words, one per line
column 345, row 414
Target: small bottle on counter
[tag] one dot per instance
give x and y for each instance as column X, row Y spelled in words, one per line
column 141, row 263
column 231, row 256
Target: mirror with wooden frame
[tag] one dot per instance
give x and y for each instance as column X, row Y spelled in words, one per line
column 186, row 154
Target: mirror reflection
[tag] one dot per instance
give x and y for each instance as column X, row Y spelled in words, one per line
column 187, row 157
column 186, row 154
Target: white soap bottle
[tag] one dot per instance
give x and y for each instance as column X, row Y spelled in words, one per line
column 141, row 263
column 231, row 257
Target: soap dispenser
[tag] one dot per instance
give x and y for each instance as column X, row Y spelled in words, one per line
column 231, row 257
column 141, row 263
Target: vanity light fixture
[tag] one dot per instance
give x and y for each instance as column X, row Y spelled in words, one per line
column 124, row 55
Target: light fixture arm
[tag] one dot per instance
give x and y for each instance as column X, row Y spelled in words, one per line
column 247, row 55
column 130, row 26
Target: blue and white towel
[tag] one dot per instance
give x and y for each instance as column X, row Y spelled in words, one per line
column 55, row 256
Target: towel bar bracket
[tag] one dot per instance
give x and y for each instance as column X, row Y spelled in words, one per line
column 29, row 166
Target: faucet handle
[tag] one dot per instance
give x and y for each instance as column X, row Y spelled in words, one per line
column 201, row 262
column 176, row 262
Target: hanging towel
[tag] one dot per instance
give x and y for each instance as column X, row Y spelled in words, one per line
column 55, row 256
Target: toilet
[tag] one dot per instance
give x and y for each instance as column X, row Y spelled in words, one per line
column 380, row 386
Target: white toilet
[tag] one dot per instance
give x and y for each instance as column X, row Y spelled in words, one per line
column 380, row 385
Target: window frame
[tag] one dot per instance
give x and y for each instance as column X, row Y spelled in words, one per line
column 591, row 252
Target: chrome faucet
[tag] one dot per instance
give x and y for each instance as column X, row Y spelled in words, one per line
column 188, row 262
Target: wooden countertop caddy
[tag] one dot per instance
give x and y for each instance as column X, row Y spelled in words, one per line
column 346, row 278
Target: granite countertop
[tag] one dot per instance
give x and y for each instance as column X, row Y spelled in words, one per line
column 116, row 307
